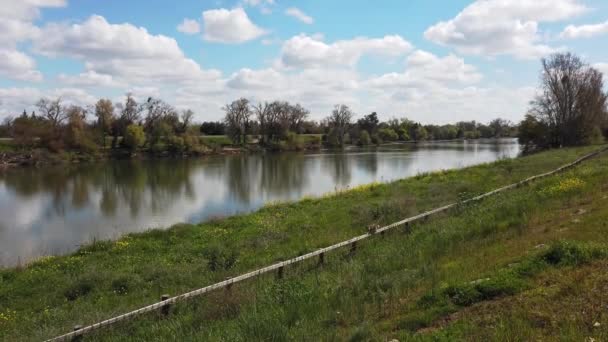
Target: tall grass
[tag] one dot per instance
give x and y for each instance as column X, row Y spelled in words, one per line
column 368, row 290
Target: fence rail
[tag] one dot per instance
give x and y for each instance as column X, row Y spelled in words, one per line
column 80, row 331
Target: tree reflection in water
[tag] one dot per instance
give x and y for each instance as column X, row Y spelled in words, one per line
column 53, row 209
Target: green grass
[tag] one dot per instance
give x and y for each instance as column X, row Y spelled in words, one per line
column 377, row 293
column 216, row 140
column 7, row 146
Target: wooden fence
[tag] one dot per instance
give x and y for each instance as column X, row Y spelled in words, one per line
column 167, row 301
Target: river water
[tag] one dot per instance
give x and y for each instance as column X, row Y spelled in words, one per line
column 53, row 210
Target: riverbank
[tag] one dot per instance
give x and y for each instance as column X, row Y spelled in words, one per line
column 13, row 156
column 107, row 278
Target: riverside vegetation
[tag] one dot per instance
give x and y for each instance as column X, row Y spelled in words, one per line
column 475, row 273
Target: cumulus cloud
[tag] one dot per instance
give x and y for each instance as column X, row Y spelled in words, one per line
column 298, row 14
column 260, row 79
column 584, row 31
column 19, row 66
column 89, row 78
column 307, row 51
column 14, row 100
column 499, row 27
column 602, row 67
column 127, row 53
column 189, row 26
column 426, row 70
column 230, row 26
column 16, row 25
column 26, row 9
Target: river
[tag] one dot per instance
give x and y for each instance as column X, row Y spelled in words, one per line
column 53, row 210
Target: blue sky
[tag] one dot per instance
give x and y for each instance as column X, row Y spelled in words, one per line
column 429, row 60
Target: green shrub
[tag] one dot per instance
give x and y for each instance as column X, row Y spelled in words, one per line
column 79, row 288
column 364, row 138
column 134, row 137
column 388, row 134
column 220, row 258
column 566, row 253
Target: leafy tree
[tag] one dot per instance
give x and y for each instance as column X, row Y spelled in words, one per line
column 420, row 134
column 369, row 122
column 364, row 138
column 135, row 137
column 388, row 134
column 533, row 133
column 6, row 126
column 129, row 115
column 77, row 134
column 213, row 128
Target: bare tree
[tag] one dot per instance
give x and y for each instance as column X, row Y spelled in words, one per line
column 572, row 102
column 237, row 118
column 298, row 115
column 53, row 111
column 130, row 111
column 339, row 121
column 187, row 116
column 264, row 113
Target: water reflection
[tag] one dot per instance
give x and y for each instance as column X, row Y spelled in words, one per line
column 54, row 209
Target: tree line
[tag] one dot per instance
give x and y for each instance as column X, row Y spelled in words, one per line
column 570, row 109
column 280, row 121
column 153, row 124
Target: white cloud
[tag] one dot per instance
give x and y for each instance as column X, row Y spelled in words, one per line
column 189, row 26
column 426, row 70
column 584, row 31
column 499, row 27
column 258, row 2
column 16, row 25
column 18, row 66
column 14, row 100
column 603, row 68
column 447, row 104
column 307, row 51
column 26, row 9
column 260, row 79
column 298, row 14
column 264, row 5
column 127, row 53
column 230, row 26
column 89, row 78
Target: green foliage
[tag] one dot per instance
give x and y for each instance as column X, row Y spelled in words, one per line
column 388, row 134
column 565, row 253
column 220, row 258
column 134, row 137
column 364, row 138
column 378, row 288
column 421, row 134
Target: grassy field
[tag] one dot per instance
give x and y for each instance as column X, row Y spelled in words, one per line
column 6, row 145
column 440, row 281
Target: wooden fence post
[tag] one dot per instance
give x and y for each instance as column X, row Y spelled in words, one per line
column 280, row 272
column 78, row 337
column 229, row 286
column 164, row 310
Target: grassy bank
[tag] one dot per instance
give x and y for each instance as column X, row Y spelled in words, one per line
column 391, row 287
